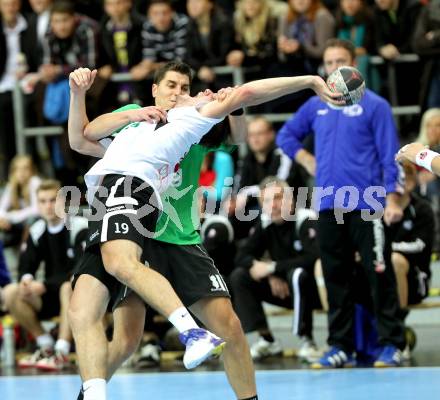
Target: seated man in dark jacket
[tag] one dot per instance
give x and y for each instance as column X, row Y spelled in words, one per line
column 30, row 301
column 286, row 279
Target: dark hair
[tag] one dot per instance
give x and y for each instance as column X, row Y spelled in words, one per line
column 63, row 7
column 345, row 44
column 169, row 3
column 176, row 66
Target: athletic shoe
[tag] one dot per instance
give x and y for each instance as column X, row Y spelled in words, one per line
column 334, row 358
column 55, row 362
column 200, row 345
column 308, row 350
column 32, row 360
column 149, row 356
column 391, row 356
column 263, row 349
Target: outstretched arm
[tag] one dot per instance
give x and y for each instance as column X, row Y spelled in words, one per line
column 418, row 154
column 264, row 90
column 80, row 81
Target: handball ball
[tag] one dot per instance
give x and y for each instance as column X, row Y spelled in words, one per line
column 349, row 82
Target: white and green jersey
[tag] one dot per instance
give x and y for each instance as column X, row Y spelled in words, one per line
column 149, row 154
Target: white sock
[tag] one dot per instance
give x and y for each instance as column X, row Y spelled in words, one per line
column 182, row 320
column 45, row 341
column 95, row 389
column 62, row 346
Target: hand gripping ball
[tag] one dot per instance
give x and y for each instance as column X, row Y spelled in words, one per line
column 349, row 82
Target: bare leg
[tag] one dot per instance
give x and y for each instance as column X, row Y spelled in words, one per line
column 219, row 317
column 121, row 259
column 24, row 310
column 86, row 311
column 401, row 269
column 65, row 295
column 128, row 323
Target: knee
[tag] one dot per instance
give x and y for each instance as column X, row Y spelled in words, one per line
column 128, row 342
column 82, row 317
column 233, row 332
column 400, row 264
column 10, row 294
column 121, row 266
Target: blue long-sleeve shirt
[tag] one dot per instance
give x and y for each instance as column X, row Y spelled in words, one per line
column 354, row 146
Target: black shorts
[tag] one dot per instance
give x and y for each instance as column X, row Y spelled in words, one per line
column 189, row 269
column 51, row 306
column 124, row 207
column 91, row 264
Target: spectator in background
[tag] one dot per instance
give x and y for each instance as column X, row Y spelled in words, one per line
column 304, row 32
column 210, row 38
column 121, row 49
column 286, row 278
column 429, row 183
column 395, row 21
column 18, row 204
column 426, row 44
column 354, row 22
column 263, row 159
column 412, row 244
column 164, row 37
column 72, row 43
column 12, row 28
column 256, row 25
column 354, row 147
column 31, row 301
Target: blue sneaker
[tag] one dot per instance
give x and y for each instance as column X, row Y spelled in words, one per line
column 334, row 358
column 200, row 345
column 391, row 356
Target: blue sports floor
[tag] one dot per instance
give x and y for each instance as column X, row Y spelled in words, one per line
column 356, row 384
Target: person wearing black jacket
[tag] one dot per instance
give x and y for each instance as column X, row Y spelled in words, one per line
column 12, row 28
column 121, row 47
column 210, row 39
column 412, row 244
column 286, row 279
column 29, row 301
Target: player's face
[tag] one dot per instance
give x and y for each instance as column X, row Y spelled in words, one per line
column 277, row 202
column 185, row 100
column 335, row 57
column 166, row 91
column 46, row 204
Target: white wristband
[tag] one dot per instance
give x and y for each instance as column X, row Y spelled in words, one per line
column 27, row 277
column 424, row 158
column 271, row 267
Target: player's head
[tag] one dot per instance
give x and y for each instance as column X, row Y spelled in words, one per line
column 46, row 198
column 201, row 98
column 276, row 199
column 171, row 80
column 338, row 53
